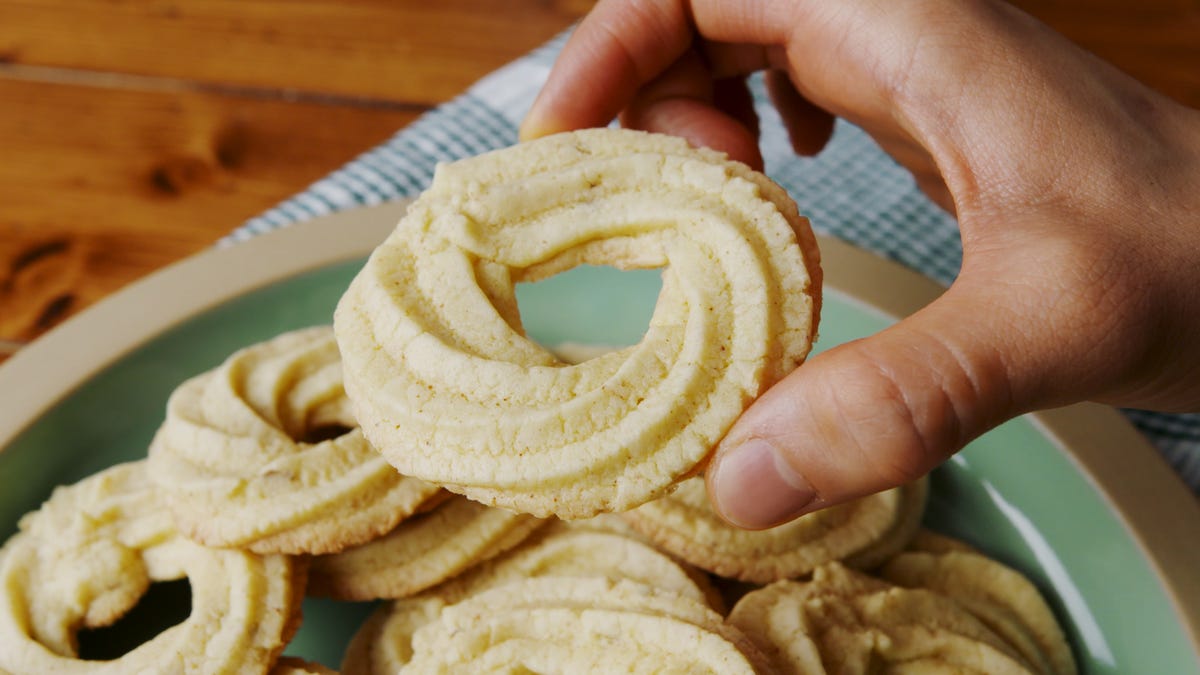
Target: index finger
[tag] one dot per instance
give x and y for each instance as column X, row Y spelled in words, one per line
column 621, row 46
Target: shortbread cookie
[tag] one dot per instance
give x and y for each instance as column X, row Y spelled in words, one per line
column 845, row 622
column 263, row 453
column 383, row 643
column 582, row 626
column 928, row 541
column 93, row 549
column 575, row 625
column 448, row 387
column 861, row 533
column 608, row 523
column 997, row 595
column 566, row 549
column 421, row 552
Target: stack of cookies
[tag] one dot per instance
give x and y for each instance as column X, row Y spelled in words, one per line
column 512, row 511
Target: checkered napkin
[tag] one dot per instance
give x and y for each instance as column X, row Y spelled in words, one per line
column 852, row 191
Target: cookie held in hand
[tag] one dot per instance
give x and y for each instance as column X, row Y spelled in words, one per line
column 449, row 388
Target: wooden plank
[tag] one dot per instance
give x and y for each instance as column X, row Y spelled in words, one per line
column 413, row 50
column 101, row 186
column 396, row 50
column 1156, row 41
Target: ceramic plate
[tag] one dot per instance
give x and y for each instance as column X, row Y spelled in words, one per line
column 1073, row 497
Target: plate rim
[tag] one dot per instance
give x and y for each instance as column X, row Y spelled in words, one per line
column 1155, row 507
column 1157, row 510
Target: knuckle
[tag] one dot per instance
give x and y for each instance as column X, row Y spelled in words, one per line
column 889, row 420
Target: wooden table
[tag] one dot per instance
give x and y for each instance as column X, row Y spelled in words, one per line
column 136, row 132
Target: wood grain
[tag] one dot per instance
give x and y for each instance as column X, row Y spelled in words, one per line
column 134, row 133
column 415, row 51
column 1155, row 41
column 99, row 190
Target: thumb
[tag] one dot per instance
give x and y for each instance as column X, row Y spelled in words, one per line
column 871, row 414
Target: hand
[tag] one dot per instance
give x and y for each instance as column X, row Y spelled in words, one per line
column 1077, row 192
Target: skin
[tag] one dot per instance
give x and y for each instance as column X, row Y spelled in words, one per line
column 1076, row 189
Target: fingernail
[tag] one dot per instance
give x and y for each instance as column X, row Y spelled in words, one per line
column 755, row 488
column 528, row 129
column 533, row 126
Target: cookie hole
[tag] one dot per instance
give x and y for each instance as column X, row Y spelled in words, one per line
column 589, row 308
column 323, row 432
column 165, row 604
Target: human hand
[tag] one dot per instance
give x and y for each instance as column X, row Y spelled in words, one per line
column 1077, row 192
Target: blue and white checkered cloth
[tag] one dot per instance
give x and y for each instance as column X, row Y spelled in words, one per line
column 852, row 190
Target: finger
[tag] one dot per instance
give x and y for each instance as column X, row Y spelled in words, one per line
column 839, row 59
column 701, row 124
column 621, row 46
column 917, row 160
column 1010, row 336
column 681, row 102
column 616, row 49
column 731, row 95
column 941, row 72
column 809, row 127
column 857, row 419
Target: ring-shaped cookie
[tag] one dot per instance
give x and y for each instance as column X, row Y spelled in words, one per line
column 861, row 533
column 447, row 386
column 553, row 624
column 999, row 596
column 421, row 552
column 863, row 624
column 263, row 453
column 561, row 550
column 89, row 554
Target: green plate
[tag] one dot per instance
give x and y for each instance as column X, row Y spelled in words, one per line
column 1072, row 498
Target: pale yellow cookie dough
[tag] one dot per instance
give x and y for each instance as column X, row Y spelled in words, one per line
column 421, row 552
column 87, row 556
column 448, row 387
column 997, row 595
column 861, row 533
column 575, row 550
column 571, row 625
column 568, row 549
column 845, row 622
column 243, row 458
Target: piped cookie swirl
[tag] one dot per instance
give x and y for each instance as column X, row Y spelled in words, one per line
column 263, row 453
column 449, row 388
